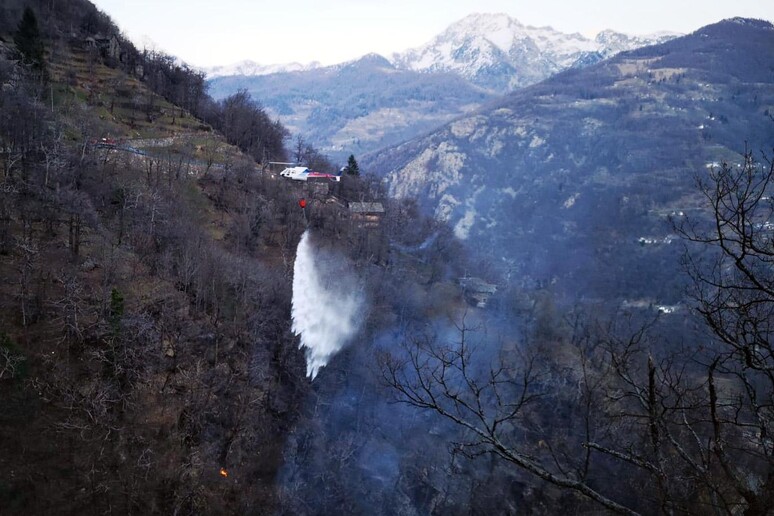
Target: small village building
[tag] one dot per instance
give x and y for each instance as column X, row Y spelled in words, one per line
column 477, row 291
column 366, row 214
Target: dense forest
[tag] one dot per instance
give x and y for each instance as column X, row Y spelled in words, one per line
column 147, row 360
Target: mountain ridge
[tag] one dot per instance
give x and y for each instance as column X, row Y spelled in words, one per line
column 368, row 103
column 360, row 105
column 251, row 68
column 492, row 40
column 519, row 54
column 588, row 159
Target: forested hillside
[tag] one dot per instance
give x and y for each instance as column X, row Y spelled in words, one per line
column 146, row 258
column 128, row 295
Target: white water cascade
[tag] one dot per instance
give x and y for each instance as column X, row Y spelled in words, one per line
column 326, row 303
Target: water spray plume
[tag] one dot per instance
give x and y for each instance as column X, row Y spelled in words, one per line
column 326, row 303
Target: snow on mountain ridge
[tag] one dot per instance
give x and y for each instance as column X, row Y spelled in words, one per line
column 523, row 54
column 498, row 28
column 250, row 68
column 493, row 51
column 613, row 42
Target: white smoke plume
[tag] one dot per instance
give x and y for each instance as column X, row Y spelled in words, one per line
column 327, row 303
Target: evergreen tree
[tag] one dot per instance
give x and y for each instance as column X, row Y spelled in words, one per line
column 28, row 40
column 352, row 167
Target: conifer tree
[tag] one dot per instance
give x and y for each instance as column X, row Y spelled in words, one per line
column 28, row 40
column 352, row 167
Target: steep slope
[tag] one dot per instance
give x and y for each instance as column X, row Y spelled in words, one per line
column 147, row 363
column 561, row 180
column 100, row 342
column 358, row 106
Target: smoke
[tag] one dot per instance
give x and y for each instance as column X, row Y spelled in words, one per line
column 326, row 303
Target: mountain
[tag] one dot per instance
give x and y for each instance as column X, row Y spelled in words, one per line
column 370, row 103
column 251, row 68
column 359, row 106
column 149, row 361
column 571, row 181
column 497, row 52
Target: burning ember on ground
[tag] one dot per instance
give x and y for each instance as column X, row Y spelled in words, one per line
column 223, row 473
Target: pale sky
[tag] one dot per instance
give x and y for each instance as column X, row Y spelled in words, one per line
column 222, row 32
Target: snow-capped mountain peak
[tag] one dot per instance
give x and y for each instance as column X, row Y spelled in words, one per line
column 498, row 29
column 498, row 52
column 493, row 51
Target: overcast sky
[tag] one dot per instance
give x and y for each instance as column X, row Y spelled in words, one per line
column 207, row 32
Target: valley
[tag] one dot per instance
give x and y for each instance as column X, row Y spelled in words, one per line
column 602, row 154
column 541, row 284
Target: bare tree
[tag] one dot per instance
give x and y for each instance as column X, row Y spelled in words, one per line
column 54, row 153
column 734, row 286
column 691, row 423
column 211, row 148
column 734, row 291
column 493, row 398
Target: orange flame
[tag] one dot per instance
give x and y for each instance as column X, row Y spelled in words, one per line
column 223, row 473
